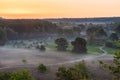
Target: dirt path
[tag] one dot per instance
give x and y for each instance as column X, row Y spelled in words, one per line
column 86, row 58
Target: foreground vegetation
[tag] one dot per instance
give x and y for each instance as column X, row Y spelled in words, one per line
column 18, row 75
column 115, row 67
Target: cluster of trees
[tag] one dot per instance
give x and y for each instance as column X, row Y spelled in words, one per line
column 79, row 45
column 5, row 34
column 113, row 39
column 95, row 33
column 24, row 28
column 100, row 19
column 117, row 29
column 32, row 28
column 28, row 25
column 69, row 32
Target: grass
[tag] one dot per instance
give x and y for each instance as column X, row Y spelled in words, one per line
column 111, row 50
column 52, row 46
column 92, row 49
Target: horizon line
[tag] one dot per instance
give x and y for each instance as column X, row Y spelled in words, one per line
column 65, row 17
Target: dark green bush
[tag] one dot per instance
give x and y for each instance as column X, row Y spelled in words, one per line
column 42, row 68
column 18, row 75
column 5, row 76
column 22, row 75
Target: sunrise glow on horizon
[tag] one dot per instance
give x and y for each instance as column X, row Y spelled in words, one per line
column 59, row 8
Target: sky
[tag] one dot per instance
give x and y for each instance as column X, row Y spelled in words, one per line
column 59, row 8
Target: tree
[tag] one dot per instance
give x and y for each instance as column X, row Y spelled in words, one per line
column 3, row 36
column 113, row 37
column 95, row 33
column 115, row 67
column 62, row 44
column 117, row 29
column 79, row 45
column 101, row 32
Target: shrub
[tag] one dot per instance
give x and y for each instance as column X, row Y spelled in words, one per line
column 5, row 76
column 24, row 61
column 18, row 75
column 22, row 75
column 115, row 67
column 42, row 68
column 117, row 43
column 77, row 72
column 41, row 47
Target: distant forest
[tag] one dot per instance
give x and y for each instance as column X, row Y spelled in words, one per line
column 99, row 19
column 40, row 28
column 25, row 28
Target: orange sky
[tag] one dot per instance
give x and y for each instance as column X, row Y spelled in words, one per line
column 59, row 8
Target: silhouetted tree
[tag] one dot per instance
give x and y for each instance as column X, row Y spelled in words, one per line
column 118, row 29
column 96, row 34
column 62, row 44
column 3, row 36
column 109, row 44
column 79, row 45
column 97, row 30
